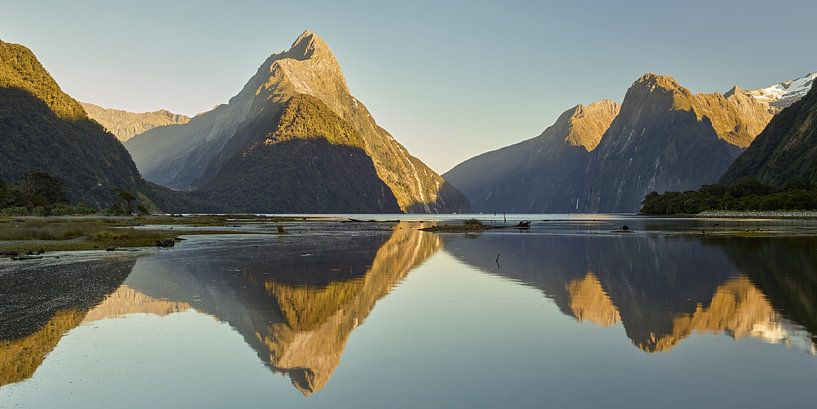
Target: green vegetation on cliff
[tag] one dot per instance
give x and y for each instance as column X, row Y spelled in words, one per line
column 302, row 159
column 786, row 150
column 747, row 195
column 777, row 172
column 44, row 130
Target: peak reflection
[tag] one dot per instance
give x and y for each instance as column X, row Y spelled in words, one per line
column 663, row 289
column 294, row 299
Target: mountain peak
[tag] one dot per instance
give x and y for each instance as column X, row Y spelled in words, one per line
column 587, row 123
column 20, row 68
column 734, row 90
column 652, row 81
column 656, row 93
column 309, row 45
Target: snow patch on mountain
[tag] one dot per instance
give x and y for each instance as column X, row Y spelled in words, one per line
column 785, row 93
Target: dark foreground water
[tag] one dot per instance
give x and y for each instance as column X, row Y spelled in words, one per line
column 568, row 315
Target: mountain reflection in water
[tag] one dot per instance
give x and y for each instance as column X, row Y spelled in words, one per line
column 295, row 299
column 662, row 289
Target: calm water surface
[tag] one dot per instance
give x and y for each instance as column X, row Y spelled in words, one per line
column 571, row 314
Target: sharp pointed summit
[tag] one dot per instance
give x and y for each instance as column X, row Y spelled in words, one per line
column 293, row 139
column 309, row 45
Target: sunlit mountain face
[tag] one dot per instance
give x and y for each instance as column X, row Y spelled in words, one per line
column 663, row 289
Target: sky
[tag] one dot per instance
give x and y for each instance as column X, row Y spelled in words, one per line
column 449, row 79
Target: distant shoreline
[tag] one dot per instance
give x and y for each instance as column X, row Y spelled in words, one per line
column 760, row 214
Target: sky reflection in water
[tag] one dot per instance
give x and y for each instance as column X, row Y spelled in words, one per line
column 566, row 318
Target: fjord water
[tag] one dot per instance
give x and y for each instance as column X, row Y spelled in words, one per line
column 571, row 314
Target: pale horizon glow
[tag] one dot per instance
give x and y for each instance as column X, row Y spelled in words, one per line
column 449, row 80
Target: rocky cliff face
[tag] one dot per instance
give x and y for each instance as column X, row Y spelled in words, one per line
column 125, row 125
column 606, row 158
column 191, row 156
column 305, row 159
column 666, row 138
column 785, row 150
column 42, row 129
column 543, row 174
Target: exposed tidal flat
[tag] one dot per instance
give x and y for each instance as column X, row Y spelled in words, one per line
column 373, row 311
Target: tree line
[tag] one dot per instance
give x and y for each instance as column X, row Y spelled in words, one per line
column 747, row 195
column 40, row 194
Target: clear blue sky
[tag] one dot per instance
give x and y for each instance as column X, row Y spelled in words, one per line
column 448, row 79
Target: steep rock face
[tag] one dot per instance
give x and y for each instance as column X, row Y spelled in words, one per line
column 320, row 166
column 125, row 125
column 666, row 138
column 543, row 174
column 43, row 129
column 736, row 117
column 785, row 150
column 191, row 156
column 606, row 158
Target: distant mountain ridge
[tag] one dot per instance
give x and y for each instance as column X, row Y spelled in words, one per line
column 542, row 174
column 197, row 156
column 125, row 125
column 667, row 138
column 663, row 138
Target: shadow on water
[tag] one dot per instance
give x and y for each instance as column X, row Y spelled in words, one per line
column 295, row 299
column 661, row 289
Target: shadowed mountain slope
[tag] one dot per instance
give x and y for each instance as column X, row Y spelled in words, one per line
column 543, row 174
column 320, row 166
column 42, row 129
column 606, row 158
column 191, row 156
column 667, row 139
column 786, row 150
